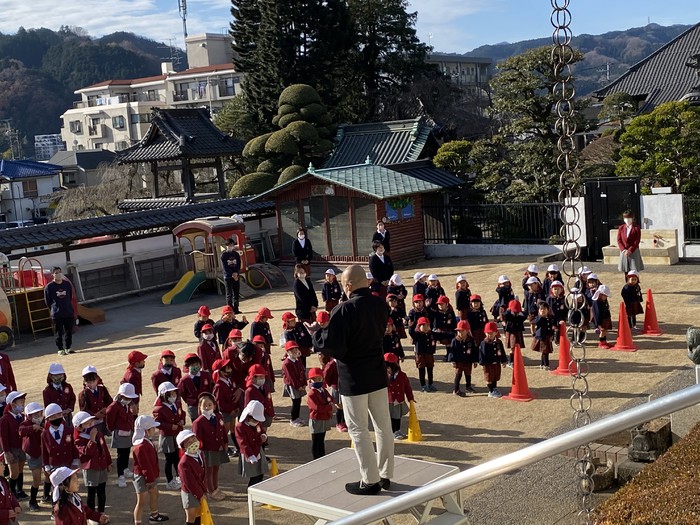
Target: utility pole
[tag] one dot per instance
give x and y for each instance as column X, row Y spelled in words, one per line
column 13, row 137
column 182, row 6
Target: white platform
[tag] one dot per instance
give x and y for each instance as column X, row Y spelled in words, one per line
column 317, row 489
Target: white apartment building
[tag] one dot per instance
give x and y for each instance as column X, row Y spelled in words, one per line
column 115, row 114
column 46, row 146
column 466, row 71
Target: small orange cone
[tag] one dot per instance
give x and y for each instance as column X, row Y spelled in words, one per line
column 564, row 353
column 651, row 324
column 624, row 341
column 519, row 390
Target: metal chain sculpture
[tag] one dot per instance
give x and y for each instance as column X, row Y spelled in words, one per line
column 569, row 196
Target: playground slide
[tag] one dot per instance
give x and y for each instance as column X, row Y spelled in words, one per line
column 186, row 286
column 90, row 315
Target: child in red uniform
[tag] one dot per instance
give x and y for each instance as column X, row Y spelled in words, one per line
column 263, row 357
column 294, row 376
column 195, row 382
column 167, row 371
column 120, row 422
column 168, row 412
column 208, row 349
column 399, row 391
column 30, row 432
column 134, row 372
column 192, row 476
column 330, row 379
column 463, row 354
column 462, row 297
column 320, row 412
column 392, row 341
column 211, row 432
column 9, row 506
column 146, row 471
column 11, row 442
column 492, row 357
column 228, row 396
column 632, row 296
column 515, row 327
column 7, row 375
column 424, row 345
column 255, row 390
column 60, row 392
column 250, row 435
column 57, row 445
column 69, row 509
column 203, row 314
column 230, row 346
column 95, row 459
column 94, row 398
column 261, row 326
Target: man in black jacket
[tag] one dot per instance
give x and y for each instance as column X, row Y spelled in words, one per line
column 60, row 300
column 231, row 267
column 354, row 337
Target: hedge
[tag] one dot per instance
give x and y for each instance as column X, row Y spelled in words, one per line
column 298, row 95
column 291, row 172
column 253, row 184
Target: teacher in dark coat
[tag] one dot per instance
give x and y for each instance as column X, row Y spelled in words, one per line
column 380, row 266
column 382, row 235
column 304, row 294
column 302, row 250
column 629, row 235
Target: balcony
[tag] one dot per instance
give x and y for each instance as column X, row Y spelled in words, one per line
column 180, row 96
column 96, row 131
column 124, row 98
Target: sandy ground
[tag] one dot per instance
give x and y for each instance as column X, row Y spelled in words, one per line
column 459, row 431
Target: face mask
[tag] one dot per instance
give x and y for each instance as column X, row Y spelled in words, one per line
column 259, row 382
column 92, row 385
column 380, row 252
column 251, row 423
column 301, row 236
column 58, row 276
column 56, row 422
column 37, row 420
column 193, row 448
column 302, row 275
column 167, row 366
column 125, row 402
column 172, row 399
column 208, row 337
column 628, row 220
column 194, row 370
column 207, row 413
column 18, row 409
column 317, row 384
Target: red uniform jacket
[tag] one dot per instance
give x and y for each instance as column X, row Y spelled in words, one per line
column 74, row 512
column 399, row 389
column 330, row 374
column 9, row 431
column 211, row 432
column 254, row 392
column 167, row 418
column 8, row 502
column 94, row 455
column 208, row 352
column 160, row 376
column 94, row 403
column 223, row 393
column 249, row 439
column 192, row 477
column 237, row 374
column 63, row 397
column 629, row 242
column 320, row 404
column 58, row 454
column 135, row 377
column 294, row 373
column 146, row 461
column 189, row 392
column 119, row 417
column 31, row 438
column 7, row 376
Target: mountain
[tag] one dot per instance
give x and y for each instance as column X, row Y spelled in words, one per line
column 614, row 52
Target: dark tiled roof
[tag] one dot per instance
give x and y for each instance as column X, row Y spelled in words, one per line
column 662, row 76
column 86, row 159
column 26, row 169
column 65, row 232
column 151, row 204
column 181, row 133
column 427, row 171
column 383, row 142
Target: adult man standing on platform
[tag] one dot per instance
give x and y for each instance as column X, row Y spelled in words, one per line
column 354, row 337
column 60, row 299
column 231, row 266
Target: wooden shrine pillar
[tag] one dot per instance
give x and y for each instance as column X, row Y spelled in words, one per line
column 221, row 178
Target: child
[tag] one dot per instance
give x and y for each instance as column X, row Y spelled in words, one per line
column 294, row 376
column 632, row 296
column 68, row 507
column 94, row 398
column 544, row 330
column 250, row 435
column 210, row 430
column 203, row 314
column 255, row 391
column 505, row 295
column 419, row 310
column 374, row 286
column 230, row 352
column 397, row 288
column 557, row 307
column 134, row 372
column 581, row 314
column 7, row 375
column 531, row 271
column 396, row 315
column 399, row 391
column 464, row 355
column 419, row 284
column 392, row 341
column 167, row 371
column 602, row 319
column 95, row 459
column 60, row 392
column 120, row 422
column 9, row 506
column 192, row 472
column 462, row 297
column 261, row 356
column 11, row 442
column 477, row 318
column 444, row 321
column 146, row 471
column 433, row 292
column 582, row 275
column 330, row 380
column 168, row 413
column 3, row 398
column 195, row 382
column 553, row 274
column 227, row 323
column 491, row 358
column 228, row 396
column 515, row 327
column 30, row 432
column 533, row 296
column 57, row 445
column 331, row 292
column 320, row 412
column 424, row 346
column 294, row 330
column 592, row 284
column 261, row 326
column 208, row 349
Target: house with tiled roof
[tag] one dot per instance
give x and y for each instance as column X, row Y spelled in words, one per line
column 26, row 187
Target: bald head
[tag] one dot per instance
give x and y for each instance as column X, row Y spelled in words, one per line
column 354, row 277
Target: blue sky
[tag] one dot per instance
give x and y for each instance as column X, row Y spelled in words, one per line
column 455, row 25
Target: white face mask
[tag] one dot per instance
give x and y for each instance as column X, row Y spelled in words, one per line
column 301, row 275
column 37, row 420
column 260, row 382
column 208, row 337
column 628, row 220
column 252, row 423
column 301, row 236
column 193, row 448
column 207, row 413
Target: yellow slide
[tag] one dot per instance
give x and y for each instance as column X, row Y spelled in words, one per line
column 185, row 287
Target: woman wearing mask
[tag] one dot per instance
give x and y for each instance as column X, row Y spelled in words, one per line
column 302, row 250
column 304, row 294
column 629, row 236
column 382, row 236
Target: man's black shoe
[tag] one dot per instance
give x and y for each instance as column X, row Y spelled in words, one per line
column 360, row 489
column 385, row 483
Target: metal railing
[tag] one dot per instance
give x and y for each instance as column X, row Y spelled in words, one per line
column 527, row 456
column 691, row 219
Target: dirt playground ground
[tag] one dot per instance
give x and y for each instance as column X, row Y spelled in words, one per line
column 458, row 431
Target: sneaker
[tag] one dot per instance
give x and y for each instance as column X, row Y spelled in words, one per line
column 509, row 365
column 34, row 506
column 470, row 389
column 121, row 482
column 497, row 393
column 358, row 488
column 69, row 351
column 128, row 473
column 21, row 495
column 232, row 452
column 458, row 393
column 342, row 427
column 61, row 351
column 158, row 518
column 172, row 485
column 432, row 388
column 46, row 499
column 296, row 423
column 424, row 388
column 385, row 483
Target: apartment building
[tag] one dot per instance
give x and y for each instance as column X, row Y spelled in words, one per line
column 465, row 71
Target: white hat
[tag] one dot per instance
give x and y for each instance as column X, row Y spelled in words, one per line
column 184, row 435
column 56, row 368
column 552, row 268
column 166, row 387
column 592, row 276
column 583, row 269
column 127, row 390
column 503, row 279
column 532, row 268
column 81, row 417
column 255, row 409
column 89, row 369
column 532, row 280
column 330, row 271
column 57, row 477
column 602, row 290
column 52, row 410
column 369, row 275
column 432, row 277
column 14, row 395
column 418, row 276
column 396, row 279
column 32, row 408
column 142, row 424
column 556, row 283
column 460, row 278
column 633, row 272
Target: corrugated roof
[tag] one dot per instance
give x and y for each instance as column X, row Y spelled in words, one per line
column 65, row 232
column 181, row 133
column 27, row 169
column 383, row 142
column 663, row 76
column 427, row 171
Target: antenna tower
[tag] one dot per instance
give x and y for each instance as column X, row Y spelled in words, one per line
column 182, row 7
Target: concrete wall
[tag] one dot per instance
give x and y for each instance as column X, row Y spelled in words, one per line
column 482, row 250
column 664, row 212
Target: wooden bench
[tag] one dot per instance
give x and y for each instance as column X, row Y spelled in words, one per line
column 657, row 247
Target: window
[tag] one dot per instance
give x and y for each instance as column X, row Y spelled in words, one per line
column 365, row 225
column 140, row 118
column 69, row 178
column 29, row 189
column 228, row 89
column 289, row 222
column 75, row 126
column 118, row 122
column 122, row 144
column 339, row 223
column 315, row 224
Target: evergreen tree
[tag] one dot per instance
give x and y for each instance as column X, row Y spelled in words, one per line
column 244, row 30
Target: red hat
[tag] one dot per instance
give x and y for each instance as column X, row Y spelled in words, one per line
column 463, row 325
column 475, row 298
column 235, row 333
column 323, row 317
column 286, row 316
column 390, row 321
column 443, row 299
column 259, row 339
column 227, row 310
column 515, row 306
column 290, row 344
column 256, row 370
column 167, row 353
column 207, row 326
column 391, row 296
column 418, row 297
column 135, row 356
column 491, row 328
column 265, row 312
column 220, row 363
column 391, row 358
column 315, row 372
column 190, row 357
column 203, row 310
column 422, row 320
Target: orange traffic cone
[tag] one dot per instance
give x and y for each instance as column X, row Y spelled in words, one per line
column 651, row 324
column 624, row 341
column 564, row 353
column 519, row 390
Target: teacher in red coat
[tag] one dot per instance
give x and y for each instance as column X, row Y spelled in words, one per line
column 629, row 235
